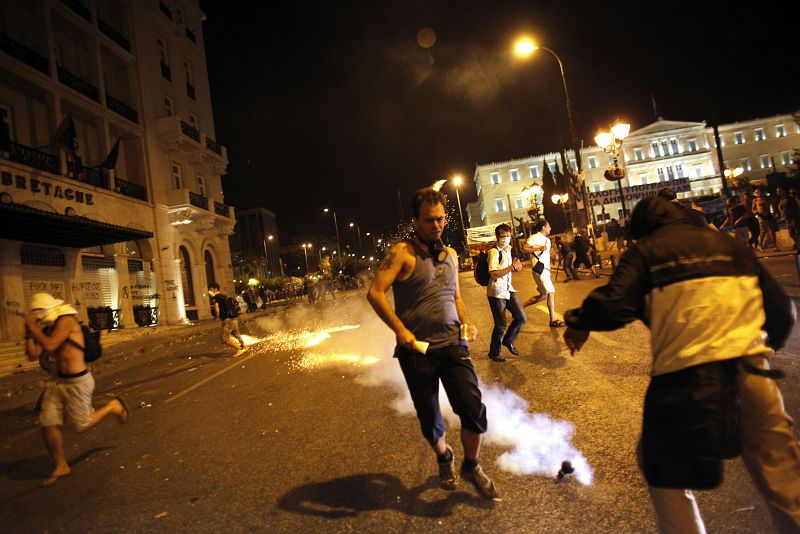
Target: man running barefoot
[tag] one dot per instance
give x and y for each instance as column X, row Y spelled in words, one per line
column 53, row 331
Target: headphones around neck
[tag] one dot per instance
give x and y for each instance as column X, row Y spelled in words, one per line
column 437, row 250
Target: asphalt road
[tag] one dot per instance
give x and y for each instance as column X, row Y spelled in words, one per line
column 309, row 431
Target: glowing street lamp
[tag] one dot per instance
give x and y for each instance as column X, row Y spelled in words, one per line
column 611, row 142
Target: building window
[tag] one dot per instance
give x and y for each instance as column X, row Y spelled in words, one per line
column 780, row 130
column 758, row 134
column 674, row 144
column 693, row 145
column 518, row 202
column 679, row 170
column 552, row 166
column 664, row 148
column 163, row 54
column 574, row 164
column 655, row 149
column 187, row 71
column 765, row 163
column 738, row 138
column 514, row 175
column 494, row 178
column 596, row 187
column 611, row 159
column 499, row 205
column 201, row 184
column 660, row 174
column 169, row 110
column 786, row 159
column 745, row 164
column 638, row 155
column 670, row 173
column 697, row 169
column 193, row 121
column 177, row 175
column 643, row 178
column 592, row 161
column 534, row 170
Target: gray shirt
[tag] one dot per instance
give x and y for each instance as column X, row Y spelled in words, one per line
column 425, row 302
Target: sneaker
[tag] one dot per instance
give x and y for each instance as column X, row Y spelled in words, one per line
column 482, row 483
column 447, row 472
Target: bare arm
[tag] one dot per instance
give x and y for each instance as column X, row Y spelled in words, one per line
column 388, row 271
column 56, row 338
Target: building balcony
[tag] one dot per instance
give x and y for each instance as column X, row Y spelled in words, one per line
column 130, row 189
column 223, row 209
column 33, row 158
column 178, row 136
column 188, row 208
column 113, row 34
column 121, row 109
column 198, row 201
column 88, row 175
column 78, row 84
column 21, row 52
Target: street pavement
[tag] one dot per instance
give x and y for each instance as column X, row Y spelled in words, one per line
column 309, row 431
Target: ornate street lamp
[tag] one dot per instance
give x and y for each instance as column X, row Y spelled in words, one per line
column 611, row 142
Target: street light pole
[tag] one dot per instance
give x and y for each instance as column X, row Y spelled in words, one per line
column 336, row 226
column 525, row 47
column 266, row 261
column 305, row 253
column 358, row 229
column 457, row 181
column 611, row 142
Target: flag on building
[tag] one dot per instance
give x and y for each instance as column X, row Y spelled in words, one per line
column 66, row 138
column 111, row 160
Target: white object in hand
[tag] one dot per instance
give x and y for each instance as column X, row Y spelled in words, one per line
column 421, row 346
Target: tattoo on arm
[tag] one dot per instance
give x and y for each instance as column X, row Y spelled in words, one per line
column 386, row 263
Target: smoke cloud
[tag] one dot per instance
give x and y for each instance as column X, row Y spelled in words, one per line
column 536, row 443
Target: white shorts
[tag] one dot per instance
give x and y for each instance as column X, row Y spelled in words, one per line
column 543, row 282
column 71, row 397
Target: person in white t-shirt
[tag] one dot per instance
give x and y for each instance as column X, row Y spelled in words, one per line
column 539, row 246
column 502, row 295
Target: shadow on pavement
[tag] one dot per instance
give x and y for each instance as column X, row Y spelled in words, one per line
column 352, row 495
column 39, row 467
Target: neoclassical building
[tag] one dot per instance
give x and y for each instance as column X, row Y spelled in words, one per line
column 664, row 153
column 130, row 225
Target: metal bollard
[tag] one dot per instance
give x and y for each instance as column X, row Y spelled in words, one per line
column 613, row 262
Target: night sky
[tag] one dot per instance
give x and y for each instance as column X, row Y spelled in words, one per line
column 334, row 104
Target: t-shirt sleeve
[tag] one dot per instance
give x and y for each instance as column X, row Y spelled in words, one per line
column 494, row 260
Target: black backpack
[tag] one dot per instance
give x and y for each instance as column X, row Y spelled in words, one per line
column 92, row 349
column 481, row 269
column 231, row 307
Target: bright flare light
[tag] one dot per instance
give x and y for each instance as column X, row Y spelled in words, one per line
column 524, row 47
column 438, row 185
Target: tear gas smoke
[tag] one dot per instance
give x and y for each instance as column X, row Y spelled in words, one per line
column 349, row 333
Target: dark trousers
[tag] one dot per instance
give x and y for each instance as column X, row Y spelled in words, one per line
column 569, row 269
column 499, row 333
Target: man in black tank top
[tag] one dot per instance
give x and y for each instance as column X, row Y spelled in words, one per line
column 427, row 319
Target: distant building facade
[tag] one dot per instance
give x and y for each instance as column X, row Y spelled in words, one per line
column 255, row 246
column 660, row 154
column 137, row 242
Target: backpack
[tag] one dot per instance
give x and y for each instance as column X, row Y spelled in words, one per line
column 92, row 349
column 231, row 307
column 481, row 269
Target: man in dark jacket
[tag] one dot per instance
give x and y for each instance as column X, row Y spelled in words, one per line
column 710, row 309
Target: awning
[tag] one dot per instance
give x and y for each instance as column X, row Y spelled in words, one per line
column 23, row 223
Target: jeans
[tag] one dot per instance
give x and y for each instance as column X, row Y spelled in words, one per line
column 499, row 307
column 569, row 268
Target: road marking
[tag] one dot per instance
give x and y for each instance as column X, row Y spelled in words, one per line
column 237, row 363
column 605, row 340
